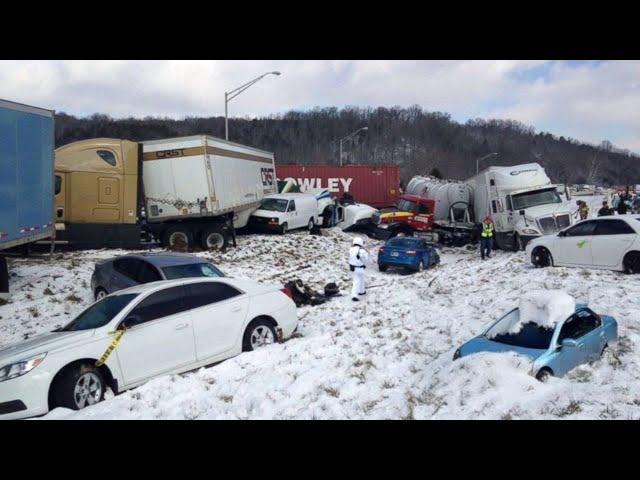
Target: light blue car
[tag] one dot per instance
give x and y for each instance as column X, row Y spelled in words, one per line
column 581, row 338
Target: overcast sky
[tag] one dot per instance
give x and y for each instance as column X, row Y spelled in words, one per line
column 586, row 100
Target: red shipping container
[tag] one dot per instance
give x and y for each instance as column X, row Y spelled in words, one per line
column 377, row 186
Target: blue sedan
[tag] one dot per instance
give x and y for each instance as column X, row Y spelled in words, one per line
column 581, row 338
column 408, row 252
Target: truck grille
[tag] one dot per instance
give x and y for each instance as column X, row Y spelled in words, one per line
column 550, row 225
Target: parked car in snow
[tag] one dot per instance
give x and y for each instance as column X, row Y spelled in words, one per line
column 555, row 344
column 128, row 270
column 413, row 253
column 166, row 327
column 610, row 242
column 282, row 212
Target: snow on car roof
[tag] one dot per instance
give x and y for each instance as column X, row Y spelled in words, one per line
column 546, row 307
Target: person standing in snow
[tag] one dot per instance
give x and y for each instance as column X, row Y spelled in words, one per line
column 583, row 210
column 636, row 203
column 358, row 259
column 486, row 237
column 622, row 207
column 605, row 210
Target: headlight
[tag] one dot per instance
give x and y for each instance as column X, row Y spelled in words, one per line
column 20, row 368
column 457, row 354
column 530, row 231
column 384, row 225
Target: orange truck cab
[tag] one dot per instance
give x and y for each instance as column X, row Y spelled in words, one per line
column 414, row 214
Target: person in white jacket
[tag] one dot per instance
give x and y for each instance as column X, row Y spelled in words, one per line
column 358, row 259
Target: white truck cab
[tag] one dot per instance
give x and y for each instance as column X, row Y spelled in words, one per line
column 286, row 211
column 522, row 201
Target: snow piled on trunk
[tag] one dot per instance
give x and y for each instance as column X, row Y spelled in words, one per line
column 388, row 357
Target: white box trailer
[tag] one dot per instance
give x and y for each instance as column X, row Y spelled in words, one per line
column 201, row 176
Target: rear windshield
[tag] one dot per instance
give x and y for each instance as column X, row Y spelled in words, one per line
column 100, row 313
column 274, row 204
column 404, row 242
column 191, row 270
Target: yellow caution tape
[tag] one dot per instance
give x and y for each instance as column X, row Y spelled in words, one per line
column 111, row 347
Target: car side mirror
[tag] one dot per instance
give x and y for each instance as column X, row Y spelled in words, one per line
column 562, row 234
column 521, row 212
column 569, row 342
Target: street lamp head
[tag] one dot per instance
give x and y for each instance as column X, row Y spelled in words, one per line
column 364, row 128
column 276, row 73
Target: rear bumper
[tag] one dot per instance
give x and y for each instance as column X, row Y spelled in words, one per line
column 399, row 261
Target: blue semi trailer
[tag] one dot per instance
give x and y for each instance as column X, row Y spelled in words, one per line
column 26, row 179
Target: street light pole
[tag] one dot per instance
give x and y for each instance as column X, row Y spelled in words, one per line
column 348, row 137
column 483, row 158
column 228, row 96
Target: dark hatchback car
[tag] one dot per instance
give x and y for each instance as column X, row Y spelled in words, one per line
column 122, row 272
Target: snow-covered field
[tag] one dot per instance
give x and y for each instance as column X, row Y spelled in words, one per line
column 388, row 357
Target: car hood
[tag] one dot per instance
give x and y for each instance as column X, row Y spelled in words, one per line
column 483, row 344
column 42, row 343
column 266, row 213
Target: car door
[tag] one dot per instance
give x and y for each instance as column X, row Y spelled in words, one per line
column 574, row 247
column 218, row 312
column 292, row 215
column 611, row 240
column 159, row 336
column 123, row 274
column 581, row 327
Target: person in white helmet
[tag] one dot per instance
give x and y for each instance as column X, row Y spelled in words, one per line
column 358, row 259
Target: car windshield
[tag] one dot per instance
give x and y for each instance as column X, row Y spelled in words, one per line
column 403, row 242
column 100, row 313
column 274, row 204
column 533, row 199
column 529, row 335
column 407, row 206
column 191, row 270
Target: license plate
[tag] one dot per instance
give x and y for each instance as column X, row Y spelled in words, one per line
column 395, row 254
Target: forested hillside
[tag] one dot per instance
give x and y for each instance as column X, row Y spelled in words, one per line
column 413, row 138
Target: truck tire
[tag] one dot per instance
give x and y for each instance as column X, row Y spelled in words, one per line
column 214, row 238
column 179, row 237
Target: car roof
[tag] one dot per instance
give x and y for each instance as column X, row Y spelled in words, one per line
column 163, row 259
column 162, row 284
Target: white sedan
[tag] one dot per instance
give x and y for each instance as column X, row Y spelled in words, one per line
column 610, row 242
column 163, row 328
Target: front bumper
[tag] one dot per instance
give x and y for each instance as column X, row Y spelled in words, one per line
column 262, row 225
column 25, row 396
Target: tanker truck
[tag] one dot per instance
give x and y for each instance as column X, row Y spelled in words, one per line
column 434, row 208
column 522, row 201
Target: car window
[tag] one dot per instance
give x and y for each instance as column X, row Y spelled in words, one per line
column 530, row 335
column 147, row 273
column 579, row 325
column 582, row 229
column 292, row 206
column 205, row 293
column 613, row 227
column 100, row 313
column 422, row 208
column 160, row 304
column 191, row 270
column 404, row 242
column 127, row 267
column 58, row 184
column 107, row 156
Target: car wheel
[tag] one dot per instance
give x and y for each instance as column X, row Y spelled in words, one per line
column 631, row 262
column 284, row 228
column 382, row 267
column 541, row 257
column 259, row 333
column 214, row 238
column 178, row 238
column 78, row 386
column 544, row 374
column 311, row 224
column 100, row 293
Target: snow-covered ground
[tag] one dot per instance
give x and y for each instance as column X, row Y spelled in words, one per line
column 387, row 357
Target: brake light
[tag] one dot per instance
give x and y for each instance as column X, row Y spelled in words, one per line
column 287, row 292
column 411, row 252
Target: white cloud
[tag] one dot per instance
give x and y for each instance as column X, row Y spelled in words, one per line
column 589, row 102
